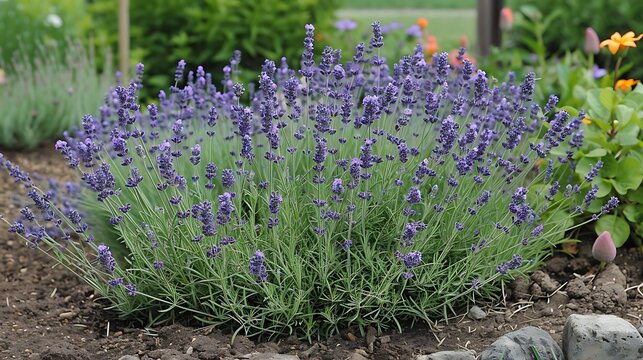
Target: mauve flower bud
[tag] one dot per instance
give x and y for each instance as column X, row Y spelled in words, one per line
column 591, row 41
column 604, row 248
column 506, row 19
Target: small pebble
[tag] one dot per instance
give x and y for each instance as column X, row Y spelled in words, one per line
column 476, row 313
column 68, row 315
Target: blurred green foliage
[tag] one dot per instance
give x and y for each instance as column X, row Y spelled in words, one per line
column 44, row 95
column 33, row 26
column 418, row 4
column 606, row 17
column 206, row 32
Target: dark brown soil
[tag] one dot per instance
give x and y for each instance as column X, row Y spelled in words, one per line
column 47, row 313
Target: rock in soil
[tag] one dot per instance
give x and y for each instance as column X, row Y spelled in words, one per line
column 597, row 337
column 476, row 313
column 449, row 355
column 515, row 345
column 64, row 351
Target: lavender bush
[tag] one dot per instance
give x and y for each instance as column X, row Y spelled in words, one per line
column 342, row 194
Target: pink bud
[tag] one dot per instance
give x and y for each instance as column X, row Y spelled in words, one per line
column 591, row 41
column 506, row 19
column 604, row 249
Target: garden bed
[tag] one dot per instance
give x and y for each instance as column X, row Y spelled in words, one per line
column 48, row 313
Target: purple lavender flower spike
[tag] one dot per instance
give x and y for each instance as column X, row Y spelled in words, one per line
column 226, row 207
column 307, row 60
column 337, row 186
column 275, row 202
column 376, row 40
column 257, row 266
column 178, row 74
column 227, row 178
column 131, row 289
column 414, row 196
column 106, row 259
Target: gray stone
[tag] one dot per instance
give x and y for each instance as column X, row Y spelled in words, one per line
column 476, row 313
column 594, row 337
column 129, row 357
column 64, row 351
column 516, row 345
column 641, row 330
column 449, row 355
column 357, row 356
column 270, row 356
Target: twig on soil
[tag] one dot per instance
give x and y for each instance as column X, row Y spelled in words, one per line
column 639, row 288
column 521, row 308
column 8, row 302
column 556, row 291
column 438, row 339
column 465, row 346
column 107, row 330
column 637, row 317
column 53, row 293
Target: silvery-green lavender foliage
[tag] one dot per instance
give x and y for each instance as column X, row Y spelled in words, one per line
column 343, row 194
column 45, row 96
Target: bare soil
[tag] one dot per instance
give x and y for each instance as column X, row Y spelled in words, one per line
column 48, row 313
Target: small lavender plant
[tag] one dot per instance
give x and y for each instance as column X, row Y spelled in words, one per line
column 45, row 95
column 341, row 194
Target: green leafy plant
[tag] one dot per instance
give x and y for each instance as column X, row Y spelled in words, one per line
column 48, row 94
column 603, row 16
column 613, row 137
column 341, row 195
column 613, row 148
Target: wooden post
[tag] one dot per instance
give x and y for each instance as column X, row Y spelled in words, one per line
column 488, row 15
column 123, row 39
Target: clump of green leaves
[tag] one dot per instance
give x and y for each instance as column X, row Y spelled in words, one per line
column 613, row 137
column 48, row 94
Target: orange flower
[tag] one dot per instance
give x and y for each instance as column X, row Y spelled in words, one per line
column 463, row 41
column 423, row 23
column 617, row 42
column 431, row 46
column 626, row 84
column 587, row 121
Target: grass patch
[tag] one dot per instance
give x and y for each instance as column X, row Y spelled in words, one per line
column 447, row 25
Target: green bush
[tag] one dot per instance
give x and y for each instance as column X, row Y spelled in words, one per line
column 47, row 94
column 208, row 31
column 567, row 30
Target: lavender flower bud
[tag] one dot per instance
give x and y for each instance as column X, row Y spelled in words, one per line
column 257, row 266
column 414, row 196
column 227, row 178
column 106, row 259
column 274, row 203
column 337, row 186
